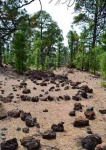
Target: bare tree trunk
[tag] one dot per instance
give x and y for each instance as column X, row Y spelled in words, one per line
column 0, row 55
column 94, row 35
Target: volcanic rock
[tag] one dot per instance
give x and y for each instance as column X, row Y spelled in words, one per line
column 30, row 122
column 58, row 127
column 10, row 144
column 49, row 134
column 89, row 114
column 77, row 106
column 30, row 143
column 80, row 122
column 15, row 113
column 91, row 141
column 72, row 113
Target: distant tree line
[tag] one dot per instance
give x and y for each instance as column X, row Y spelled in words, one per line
column 37, row 41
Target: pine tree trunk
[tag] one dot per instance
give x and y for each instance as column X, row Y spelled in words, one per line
column 0, row 56
column 94, row 35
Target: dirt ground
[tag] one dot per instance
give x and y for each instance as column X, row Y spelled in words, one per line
column 57, row 110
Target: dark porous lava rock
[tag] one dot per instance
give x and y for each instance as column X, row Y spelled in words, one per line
column 49, row 134
column 6, row 100
column 72, row 113
column 23, row 115
column 86, row 89
column 77, row 106
column 90, row 141
column 35, row 99
column 76, row 97
column 43, row 84
column 3, row 115
column 26, row 91
column 25, row 130
column 15, row 113
column 67, row 97
column 30, row 122
column 58, row 127
column 80, row 122
column 103, row 111
column 10, row 144
column 30, row 143
column 83, row 94
column 89, row 114
column 23, row 83
column 25, row 98
column 50, row 98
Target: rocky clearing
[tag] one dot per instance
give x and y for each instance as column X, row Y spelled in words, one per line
column 51, row 104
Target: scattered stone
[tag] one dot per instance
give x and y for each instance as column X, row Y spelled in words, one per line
column 62, row 84
column 25, row 130
column 40, row 95
column 86, row 89
column 23, row 83
column 83, row 94
column 26, row 91
column 70, row 71
column 30, row 143
column 1, row 97
column 91, row 141
column 89, row 114
column 75, row 83
column 42, row 90
column 103, row 111
column 4, row 129
column 77, row 106
column 52, row 88
column 25, row 98
column 61, row 97
column 10, row 144
column 37, row 125
column 44, row 98
column 23, row 115
column 35, row 99
column 66, row 88
column 3, row 115
column 57, row 89
column 15, row 113
column 18, row 129
column 30, row 122
column 80, row 122
column 66, row 97
column 72, row 113
column 76, row 98
column 90, row 108
column 57, row 85
column 45, row 110
column 49, row 134
column 43, row 84
column 50, row 98
column 11, row 96
column 34, row 88
column 58, row 128
column 6, row 100
column 89, row 131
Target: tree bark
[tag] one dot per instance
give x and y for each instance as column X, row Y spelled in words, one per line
column 94, row 35
column 0, row 55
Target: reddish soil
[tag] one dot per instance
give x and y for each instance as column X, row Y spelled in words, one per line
column 57, row 110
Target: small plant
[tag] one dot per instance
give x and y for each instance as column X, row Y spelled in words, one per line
column 103, row 83
column 47, row 62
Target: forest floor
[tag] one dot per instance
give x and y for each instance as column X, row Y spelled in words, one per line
column 58, row 111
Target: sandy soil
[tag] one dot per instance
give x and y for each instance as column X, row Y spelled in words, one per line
column 57, row 110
